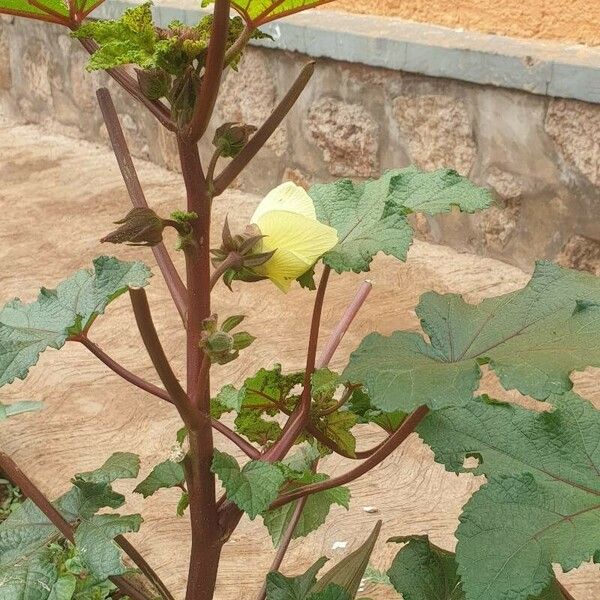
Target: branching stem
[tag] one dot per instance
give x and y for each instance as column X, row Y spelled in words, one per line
column 138, row 199
column 258, row 140
column 211, row 80
column 391, row 443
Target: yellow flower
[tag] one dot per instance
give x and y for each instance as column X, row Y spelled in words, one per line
column 286, row 217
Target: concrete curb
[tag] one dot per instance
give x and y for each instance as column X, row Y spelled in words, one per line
column 539, row 67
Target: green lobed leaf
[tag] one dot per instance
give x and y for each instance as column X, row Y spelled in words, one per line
column 314, row 514
column 370, row 217
column 54, row 11
column 422, row 571
column 26, row 330
column 28, row 567
column 338, row 426
column 94, row 539
column 258, row 12
column 365, row 224
column 167, row 474
column 280, row 587
column 540, row 505
column 17, row 408
column 532, row 338
column 436, row 192
column 253, row 487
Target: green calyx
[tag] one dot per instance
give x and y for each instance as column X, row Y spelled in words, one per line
column 219, row 344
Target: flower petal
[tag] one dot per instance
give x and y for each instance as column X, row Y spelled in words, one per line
column 298, row 242
column 287, row 196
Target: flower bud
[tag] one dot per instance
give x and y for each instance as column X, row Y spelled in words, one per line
column 139, row 227
column 230, row 138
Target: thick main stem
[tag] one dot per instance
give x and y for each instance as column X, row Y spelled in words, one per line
column 206, row 533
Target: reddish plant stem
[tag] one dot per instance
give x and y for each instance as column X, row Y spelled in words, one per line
column 392, row 442
column 232, row 260
column 211, row 80
column 207, row 539
column 112, row 364
column 117, row 368
column 344, row 323
column 284, row 544
column 296, row 423
column 138, row 198
column 258, row 140
column 129, row 84
column 144, row 567
column 31, row 491
column 143, row 318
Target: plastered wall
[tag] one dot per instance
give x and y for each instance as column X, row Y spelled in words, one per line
column 568, row 20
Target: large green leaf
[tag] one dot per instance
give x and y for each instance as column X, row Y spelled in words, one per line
column 252, row 487
column 370, row 217
column 258, row 12
column 26, row 330
column 422, row 571
column 27, row 566
column 542, row 503
column 55, row 11
column 532, row 338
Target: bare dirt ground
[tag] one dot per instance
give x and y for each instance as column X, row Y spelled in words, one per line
column 58, row 197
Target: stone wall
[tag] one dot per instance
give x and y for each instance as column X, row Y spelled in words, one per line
column 541, row 155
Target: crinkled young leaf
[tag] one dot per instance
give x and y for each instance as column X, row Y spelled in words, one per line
column 370, row 217
column 262, row 395
column 253, row 487
column 167, row 474
column 365, row 225
column 338, row 426
column 17, row 408
column 532, row 338
column 120, row 465
column 94, row 540
column 542, row 503
column 422, row 571
column 315, row 510
column 26, row 330
column 360, row 405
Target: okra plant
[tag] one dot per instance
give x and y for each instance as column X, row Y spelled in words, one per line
column 540, row 505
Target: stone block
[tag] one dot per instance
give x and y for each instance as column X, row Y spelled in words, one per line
column 575, row 128
column 347, row 135
column 438, row 131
